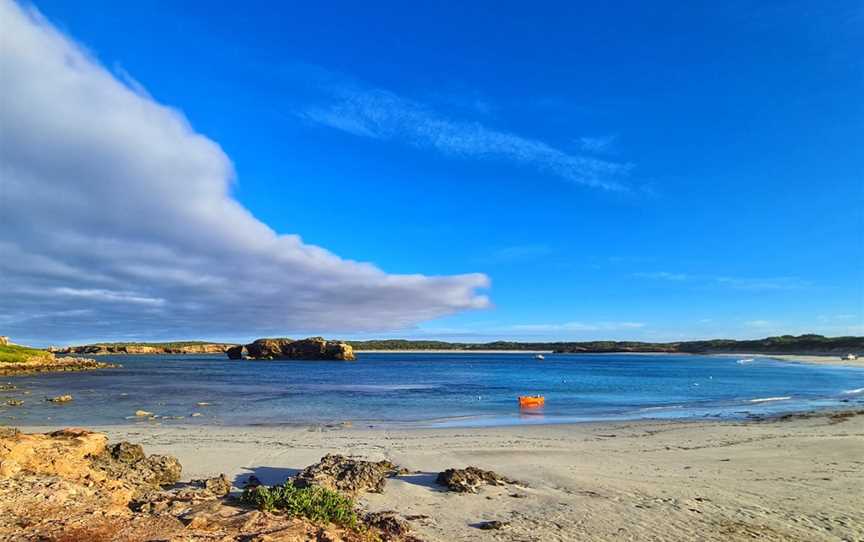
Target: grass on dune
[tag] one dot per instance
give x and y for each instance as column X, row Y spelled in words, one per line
column 12, row 353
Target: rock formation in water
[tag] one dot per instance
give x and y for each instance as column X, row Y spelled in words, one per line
column 313, row 348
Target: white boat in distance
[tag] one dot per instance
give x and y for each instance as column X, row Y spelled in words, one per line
column 743, row 361
column 539, row 356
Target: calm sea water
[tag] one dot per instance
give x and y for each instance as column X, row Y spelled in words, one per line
column 430, row 390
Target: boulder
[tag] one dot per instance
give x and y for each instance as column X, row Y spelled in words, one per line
column 313, row 348
column 347, row 475
column 390, row 526
column 467, row 480
column 218, row 485
column 128, row 462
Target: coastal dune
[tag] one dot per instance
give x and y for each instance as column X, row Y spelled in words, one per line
column 798, row 477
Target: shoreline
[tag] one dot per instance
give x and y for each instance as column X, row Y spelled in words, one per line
column 815, row 359
column 791, row 477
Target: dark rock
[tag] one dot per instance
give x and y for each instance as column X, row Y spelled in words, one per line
column 252, row 482
column 493, row 525
column 313, row 348
column 467, row 480
column 126, row 452
column 236, row 352
column 351, row 476
column 390, row 526
column 218, row 485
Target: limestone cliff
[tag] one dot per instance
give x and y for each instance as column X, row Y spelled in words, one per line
column 144, row 348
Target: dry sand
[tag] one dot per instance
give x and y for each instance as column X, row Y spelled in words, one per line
column 821, row 360
column 794, row 478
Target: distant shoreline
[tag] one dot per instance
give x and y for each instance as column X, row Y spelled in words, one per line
column 421, row 351
column 818, row 359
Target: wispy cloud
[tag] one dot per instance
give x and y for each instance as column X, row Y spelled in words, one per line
column 598, row 145
column 773, row 283
column 735, row 283
column 384, row 115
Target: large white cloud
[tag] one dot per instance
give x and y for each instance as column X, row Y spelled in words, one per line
column 116, row 219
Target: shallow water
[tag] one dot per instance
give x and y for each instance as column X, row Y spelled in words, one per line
column 430, row 390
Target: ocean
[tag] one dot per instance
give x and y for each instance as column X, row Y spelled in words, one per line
column 429, row 390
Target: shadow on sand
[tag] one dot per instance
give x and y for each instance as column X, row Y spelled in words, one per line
column 267, row 475
column 422, row 479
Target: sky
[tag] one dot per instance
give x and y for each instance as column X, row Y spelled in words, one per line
column 552, row 171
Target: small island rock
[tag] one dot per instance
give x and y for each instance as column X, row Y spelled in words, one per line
column 313, row 348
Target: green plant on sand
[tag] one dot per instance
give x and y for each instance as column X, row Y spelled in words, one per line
column 314, row 503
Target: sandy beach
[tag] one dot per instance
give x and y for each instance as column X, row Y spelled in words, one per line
column 820, row 360
column 792, row 478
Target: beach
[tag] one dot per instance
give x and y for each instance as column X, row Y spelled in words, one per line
column 819, row 360
column 796, row 477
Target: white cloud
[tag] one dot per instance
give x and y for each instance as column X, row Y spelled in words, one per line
column 116, row 219
column 380, row 114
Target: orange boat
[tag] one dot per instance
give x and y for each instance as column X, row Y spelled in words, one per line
column 531, row 401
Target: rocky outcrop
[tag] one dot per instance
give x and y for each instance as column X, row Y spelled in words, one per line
column 347, row 475
column 313, row 348
column 79, row 455
column 469, row 479
column 50, row 364
column 73, row 485
column 154, row 349
column 128, row 462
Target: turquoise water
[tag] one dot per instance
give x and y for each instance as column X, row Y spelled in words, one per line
column 430, row 390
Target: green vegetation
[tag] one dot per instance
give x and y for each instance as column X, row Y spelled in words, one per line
column 785, row 344
column 12, row 353
column 313, row 503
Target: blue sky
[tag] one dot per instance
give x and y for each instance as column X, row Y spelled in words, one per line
column 617, row 170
